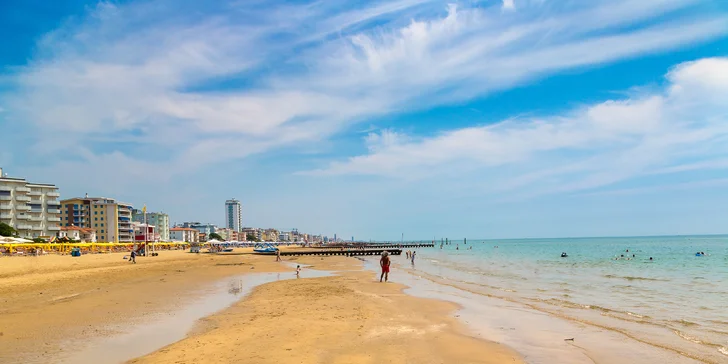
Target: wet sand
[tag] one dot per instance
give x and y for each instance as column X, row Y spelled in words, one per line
column 50, row 301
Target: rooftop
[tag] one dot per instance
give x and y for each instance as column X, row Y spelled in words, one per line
column 71, row 228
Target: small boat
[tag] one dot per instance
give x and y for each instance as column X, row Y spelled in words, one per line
column 227, row 250
column 564, row 255
column 265, row 248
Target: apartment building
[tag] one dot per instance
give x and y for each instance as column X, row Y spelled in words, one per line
column 258, row 233
column 159, row 219
column 86, row 235
column 189, row 235
column 32, row 209
column 110, row 219
column 233, row 214
column 270, row 235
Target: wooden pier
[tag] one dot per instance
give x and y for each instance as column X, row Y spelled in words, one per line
column 378, row 246
column 345, row 252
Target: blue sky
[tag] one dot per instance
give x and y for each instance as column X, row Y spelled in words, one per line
column 479, row 119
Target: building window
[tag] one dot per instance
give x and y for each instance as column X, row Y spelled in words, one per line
column 96, row 225
column 102, row 231
column 96, row 212
column 102, row 224
column 102, row 219
column 96, row 219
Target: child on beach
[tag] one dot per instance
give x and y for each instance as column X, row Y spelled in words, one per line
column 298, row 270
column 132, row 258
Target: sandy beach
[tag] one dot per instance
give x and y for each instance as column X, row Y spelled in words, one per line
column 348, row 317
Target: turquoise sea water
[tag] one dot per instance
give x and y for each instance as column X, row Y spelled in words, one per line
column 677, row 302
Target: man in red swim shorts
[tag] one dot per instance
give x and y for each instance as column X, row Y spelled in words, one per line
column 384, row 263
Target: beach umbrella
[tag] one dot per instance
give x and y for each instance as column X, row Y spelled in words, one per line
column 21, row 240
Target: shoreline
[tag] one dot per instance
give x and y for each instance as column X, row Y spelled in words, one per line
column 540, row 335
column 337, row 304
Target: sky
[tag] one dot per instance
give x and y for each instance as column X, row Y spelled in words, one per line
column 372, row 119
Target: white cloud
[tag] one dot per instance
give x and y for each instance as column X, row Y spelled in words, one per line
column 587, row 148
column 509, row 5
column 148, row 73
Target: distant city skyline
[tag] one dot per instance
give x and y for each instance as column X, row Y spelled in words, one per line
column 487, row 119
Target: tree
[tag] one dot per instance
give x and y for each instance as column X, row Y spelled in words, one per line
column 215, row 236
column 6, row 230
column 251, row 237
column 39, row 241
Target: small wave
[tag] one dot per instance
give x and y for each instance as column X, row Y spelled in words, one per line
column 631, row 278
column 599, row 308
column 685, row 322
column 687, row 337
column 635, row 315
column 723, row 350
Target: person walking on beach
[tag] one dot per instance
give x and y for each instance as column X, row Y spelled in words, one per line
column 132, row 258
column 413, row 257
column 278, row 255
column 298, row 270
column 384, row 262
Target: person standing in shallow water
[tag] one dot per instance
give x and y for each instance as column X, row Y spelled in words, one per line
column 384, row 262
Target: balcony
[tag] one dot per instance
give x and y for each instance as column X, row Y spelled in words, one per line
column 6, row 189
column 23, row 227
column 5, row 216
column 35, row 218
column 54, row 228
column 54, row 219
column 6, row 198
column 36, row 193
column 21, row 189
column 53, row 203
column 22, row 208
column 54, row 211
column 53, row 194
column 22, row 198
column 34, row 202
column 5, row 206
column 36, row 227
column 22, row 217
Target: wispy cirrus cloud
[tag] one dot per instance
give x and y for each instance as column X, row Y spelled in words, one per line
column 590, row 147
column 245, row 77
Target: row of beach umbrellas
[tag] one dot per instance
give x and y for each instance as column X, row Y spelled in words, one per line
column 12, row 240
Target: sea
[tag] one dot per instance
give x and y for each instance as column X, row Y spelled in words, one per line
column 606, row 302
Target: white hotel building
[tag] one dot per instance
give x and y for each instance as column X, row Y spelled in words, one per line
column 32, row 209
